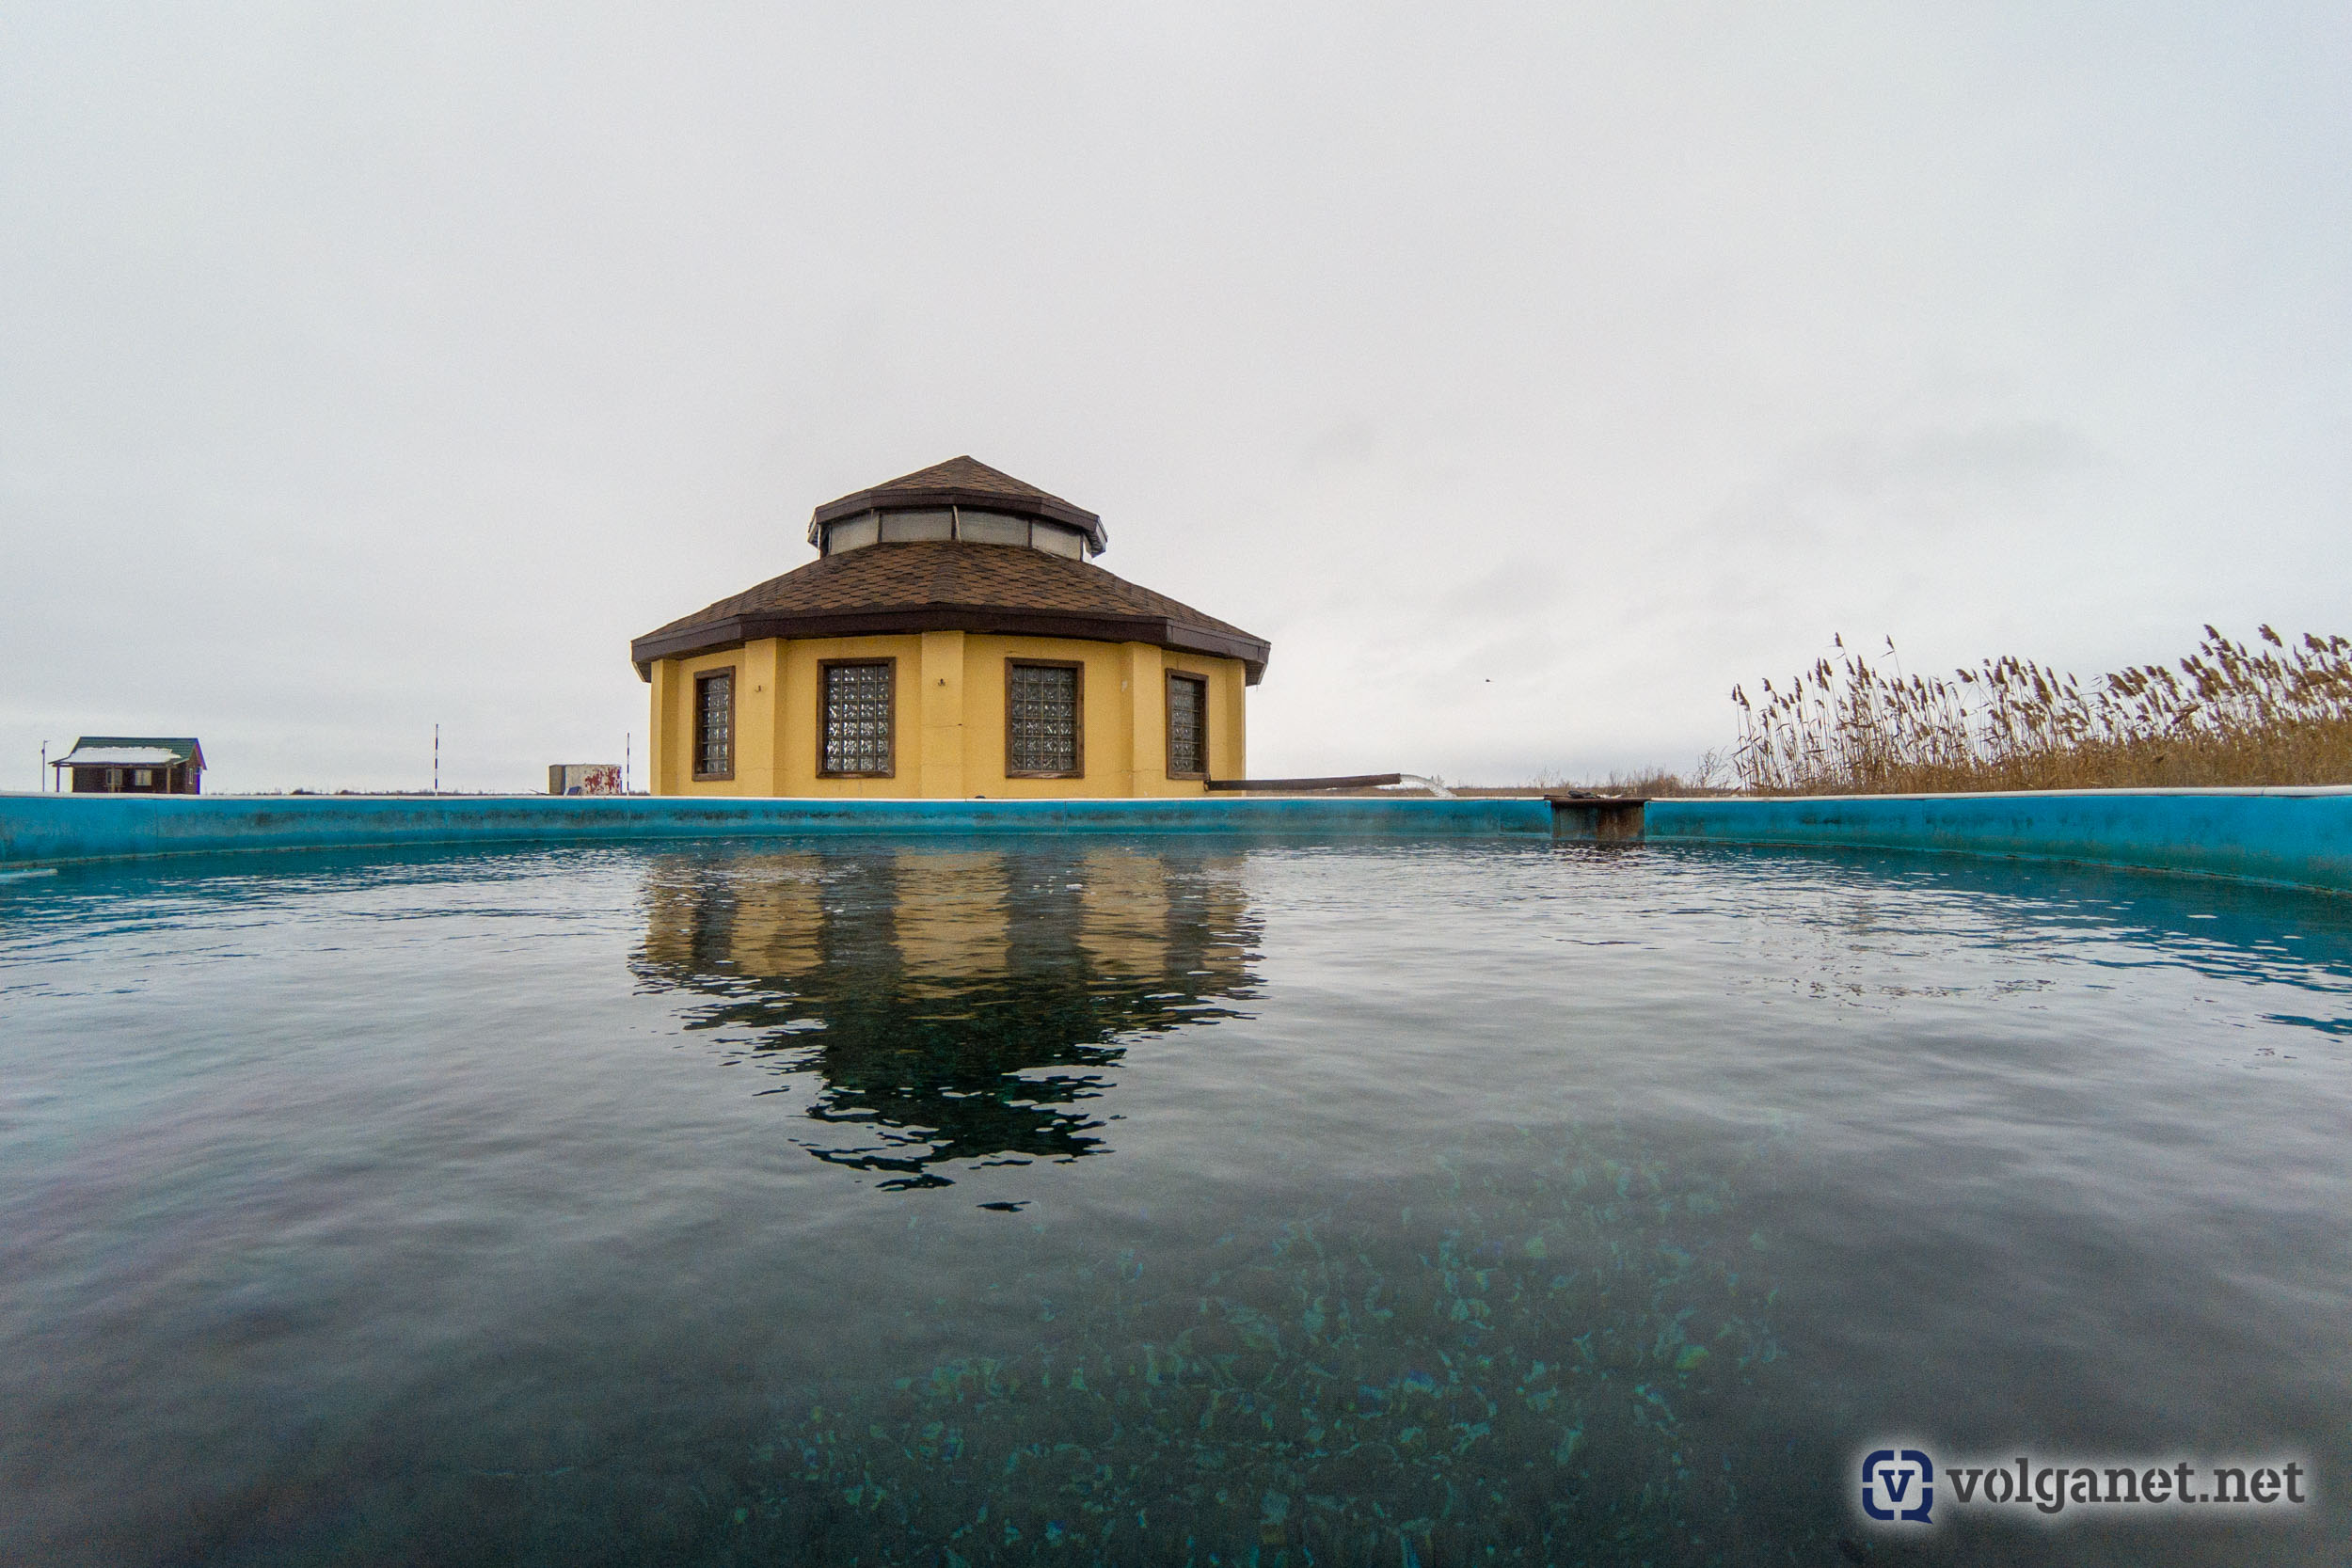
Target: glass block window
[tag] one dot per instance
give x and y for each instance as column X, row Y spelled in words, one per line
column 1187, row 727
column 857, row 719
column 714, row 725
column 1041, row 721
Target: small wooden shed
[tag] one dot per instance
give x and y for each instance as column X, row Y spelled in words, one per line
column 135, row 764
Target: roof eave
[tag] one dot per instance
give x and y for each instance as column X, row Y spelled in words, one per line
column 733, row 630
column 185, row 750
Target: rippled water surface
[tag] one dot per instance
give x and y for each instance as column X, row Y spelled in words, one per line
column 1070, row 1201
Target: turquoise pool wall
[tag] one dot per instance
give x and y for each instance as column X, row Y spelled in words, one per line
column 44, row 829
column 2301, row 838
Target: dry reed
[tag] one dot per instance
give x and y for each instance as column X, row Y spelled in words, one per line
column 2272, row 715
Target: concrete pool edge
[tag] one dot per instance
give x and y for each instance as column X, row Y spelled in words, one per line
column 2287, row 837
column 2291, row 837
column 53, row 830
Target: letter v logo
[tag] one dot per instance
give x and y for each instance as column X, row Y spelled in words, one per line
column 1886, row 1486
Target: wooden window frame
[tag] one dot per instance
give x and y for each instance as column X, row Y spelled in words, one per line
column 1168, row 714
column 824, row 666
column 735, row 727
column 1077, row 722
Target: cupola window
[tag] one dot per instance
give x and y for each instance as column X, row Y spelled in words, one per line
column 851, row 533
column 913, row 528
column 970, row 525
column 990, row 528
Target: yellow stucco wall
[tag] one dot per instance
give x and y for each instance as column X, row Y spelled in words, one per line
column 948, row 723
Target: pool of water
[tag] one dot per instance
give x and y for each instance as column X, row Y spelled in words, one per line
column 1185, row 1201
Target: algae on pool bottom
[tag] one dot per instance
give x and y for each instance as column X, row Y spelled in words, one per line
column 1347, row 1386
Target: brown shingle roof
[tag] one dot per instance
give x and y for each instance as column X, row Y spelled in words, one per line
column 969, row 473
column 963, row 482
column 951, row 586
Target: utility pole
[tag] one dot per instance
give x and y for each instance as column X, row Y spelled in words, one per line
column 436, row 759
column 44, row 767
column 626, row 738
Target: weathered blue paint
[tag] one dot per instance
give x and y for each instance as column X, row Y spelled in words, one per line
column 2297, row 836
column 47, row 828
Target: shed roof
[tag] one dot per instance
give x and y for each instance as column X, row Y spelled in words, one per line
column 951, row 586
column 132, row 751
column 963, row 482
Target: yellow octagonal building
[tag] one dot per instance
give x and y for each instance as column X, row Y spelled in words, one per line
column 952, row 639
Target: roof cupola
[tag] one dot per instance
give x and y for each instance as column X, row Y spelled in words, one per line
column 960, row 501
column 957, row 546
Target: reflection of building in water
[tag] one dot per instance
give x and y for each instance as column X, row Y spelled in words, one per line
column 1123, row 905
column 954, row 920
column 954, row 1006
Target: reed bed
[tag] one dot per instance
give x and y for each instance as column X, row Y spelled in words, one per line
column 1647, row 782
column 2228, row 714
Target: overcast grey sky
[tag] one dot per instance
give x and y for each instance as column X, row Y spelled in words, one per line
column 1526, row 375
